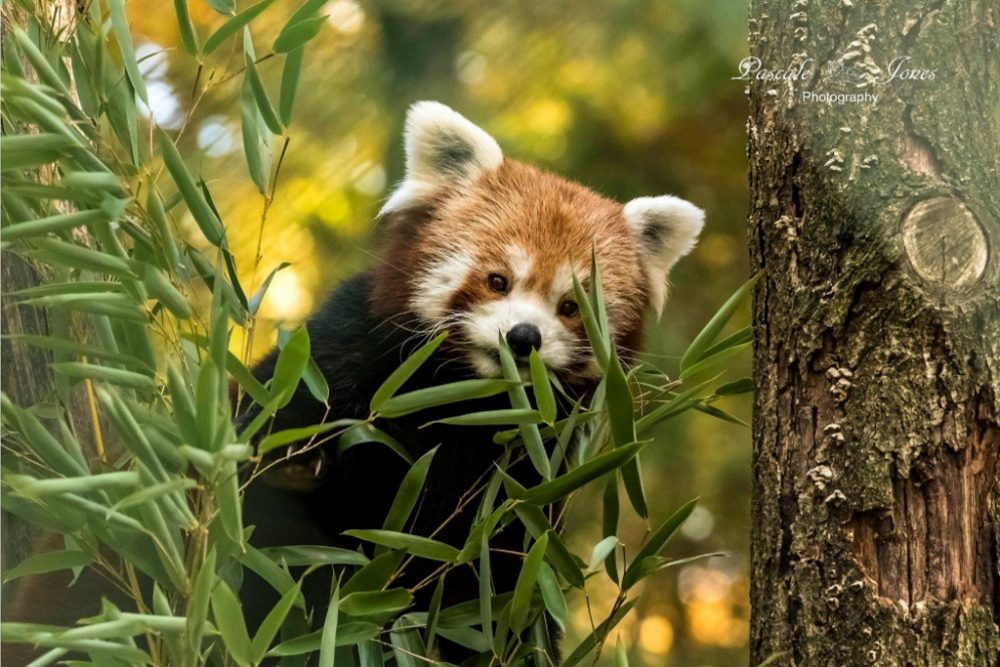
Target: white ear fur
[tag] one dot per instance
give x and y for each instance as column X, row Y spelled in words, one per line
column 443, row 148
column 666, row 228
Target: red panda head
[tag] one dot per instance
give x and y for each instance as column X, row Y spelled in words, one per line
column 485, row 247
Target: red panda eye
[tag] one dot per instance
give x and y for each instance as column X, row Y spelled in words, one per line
column 497, row 283
column 568, row 308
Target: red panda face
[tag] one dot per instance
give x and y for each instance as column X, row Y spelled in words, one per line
column 487, row 247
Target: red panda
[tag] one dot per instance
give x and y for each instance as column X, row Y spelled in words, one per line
column 488, row 246
column 484, row 247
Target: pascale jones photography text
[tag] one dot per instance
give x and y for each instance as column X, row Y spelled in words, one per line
column 897, row 69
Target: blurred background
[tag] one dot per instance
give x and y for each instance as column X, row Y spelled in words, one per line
column 629, row 97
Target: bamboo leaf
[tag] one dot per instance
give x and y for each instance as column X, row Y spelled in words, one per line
column 407, row 646
column 526, row 582
column 305, row 10
column 121, row 112
column 602, row 550
column 294, row 556
column 83, row 371
column 63, row 254
column 433, row 611
column 328, row 640
column 229, row 619
column 48, row 561
column 709, row 361
column 250, row 130
column 530, row 434
column 44, row 444
column 273, row 571
column 364, row 432
column 621, row 653
column 408, row 493
column 153, row 492
column 113, row 304
column 80, row 349
column 233, row 25
column 264, row 106
column 430, row 397
column 296, row 35
column 374, row 603
column 596, row 638
column 416, row 545
column 590, row 324
column 549, row 492
column 288, row 436
column 245, row 378
column 41, row 64
column 200, row 210
column 292, row 360
column 619, row 402
column 28, row 151
column 657, row 541
column 119, row 23
column 289, row 83
column 189, row 37
column 621, row 416
column 348, row 634
column 559, row 555
column 545, row 399
column 258, row 296
column 162, row 289
column 741, row 386
column 224, row 7
column 315, row 381
column 198, row 602
column 718, row 413
column 375, row 575
column 486, row 585
column 62, row 485
column 553, row 596
column 272, row 623
column 610, row 512
column 676, row 405
column 710, row 332
column 93, row 180
column 160, row 229
column 494, row 418
column 744, row 335
column 399, row 376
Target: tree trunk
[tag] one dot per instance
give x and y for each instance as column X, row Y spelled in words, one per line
column 875, row 225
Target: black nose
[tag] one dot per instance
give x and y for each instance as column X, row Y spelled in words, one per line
column 522, row 338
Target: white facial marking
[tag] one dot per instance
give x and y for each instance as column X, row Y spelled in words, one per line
column 485, row 323
column 437, row 284
column 520, row 263
column 488, row 322
column 562, row 283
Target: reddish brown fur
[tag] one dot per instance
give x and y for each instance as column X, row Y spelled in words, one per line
column 555, row 220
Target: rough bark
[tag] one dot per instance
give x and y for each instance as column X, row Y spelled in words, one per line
column 876, row 227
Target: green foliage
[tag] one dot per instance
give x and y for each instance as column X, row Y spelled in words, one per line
column 93, row 196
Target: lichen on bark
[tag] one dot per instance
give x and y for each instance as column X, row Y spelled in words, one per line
column 877, row 371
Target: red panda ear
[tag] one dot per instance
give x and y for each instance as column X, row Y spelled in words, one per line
column 666, row 228
column 443, row 149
